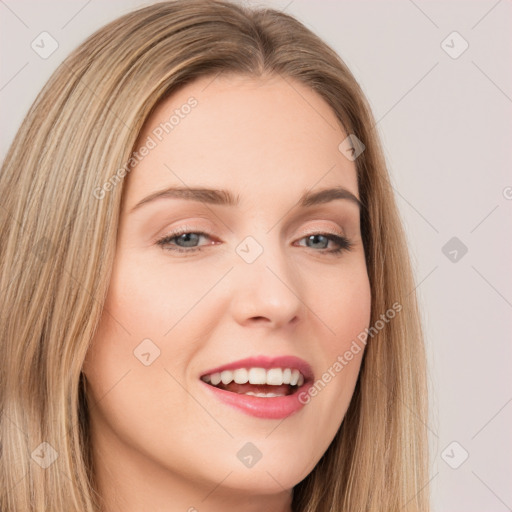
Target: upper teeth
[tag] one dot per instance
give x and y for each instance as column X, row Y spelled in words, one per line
column 274, row 376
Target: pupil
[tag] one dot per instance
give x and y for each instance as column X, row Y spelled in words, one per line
column 314, row 238
column 186, row 238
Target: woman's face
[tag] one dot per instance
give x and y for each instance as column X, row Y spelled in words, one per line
column 249, row 280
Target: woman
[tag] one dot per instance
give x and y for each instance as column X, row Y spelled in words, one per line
column 145, row 370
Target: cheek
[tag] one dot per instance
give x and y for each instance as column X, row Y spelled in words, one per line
column 128, row 318
column 151, row 299
column 344, row 309
column 343, row 304
column 132, row 402
column 149, row 317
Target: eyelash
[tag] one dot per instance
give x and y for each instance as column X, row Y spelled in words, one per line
column 344, row 244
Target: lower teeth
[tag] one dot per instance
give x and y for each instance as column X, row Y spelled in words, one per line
column 264, row 395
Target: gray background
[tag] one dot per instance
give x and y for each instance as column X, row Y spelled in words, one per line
column 446, row 128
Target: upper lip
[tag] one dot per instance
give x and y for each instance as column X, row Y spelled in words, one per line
column 266, row 362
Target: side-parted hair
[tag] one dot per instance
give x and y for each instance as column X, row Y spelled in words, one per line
column 58, row 239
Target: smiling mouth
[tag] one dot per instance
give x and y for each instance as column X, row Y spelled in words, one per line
column 260, row 382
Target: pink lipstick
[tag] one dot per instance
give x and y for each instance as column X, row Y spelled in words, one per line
column 280, row 379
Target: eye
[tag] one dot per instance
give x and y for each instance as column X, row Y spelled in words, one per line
column 183, row 241
column 187, row 238
column 342, row 243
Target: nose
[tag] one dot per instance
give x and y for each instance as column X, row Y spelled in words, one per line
column 268, row 292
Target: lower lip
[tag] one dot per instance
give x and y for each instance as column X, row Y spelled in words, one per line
column 277, row 407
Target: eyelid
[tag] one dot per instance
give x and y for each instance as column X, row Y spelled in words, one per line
column 182, row 228
column 198, row 230
column 323, row 230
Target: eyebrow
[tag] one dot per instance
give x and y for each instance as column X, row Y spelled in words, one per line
column 226, row 198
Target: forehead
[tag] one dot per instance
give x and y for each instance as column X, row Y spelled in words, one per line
column 257, row 135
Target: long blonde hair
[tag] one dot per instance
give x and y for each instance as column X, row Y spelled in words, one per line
column 57, row 243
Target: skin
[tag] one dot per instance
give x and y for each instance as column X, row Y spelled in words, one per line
column 160, row 442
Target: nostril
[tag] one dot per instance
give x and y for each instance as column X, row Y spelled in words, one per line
column 260, row 318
